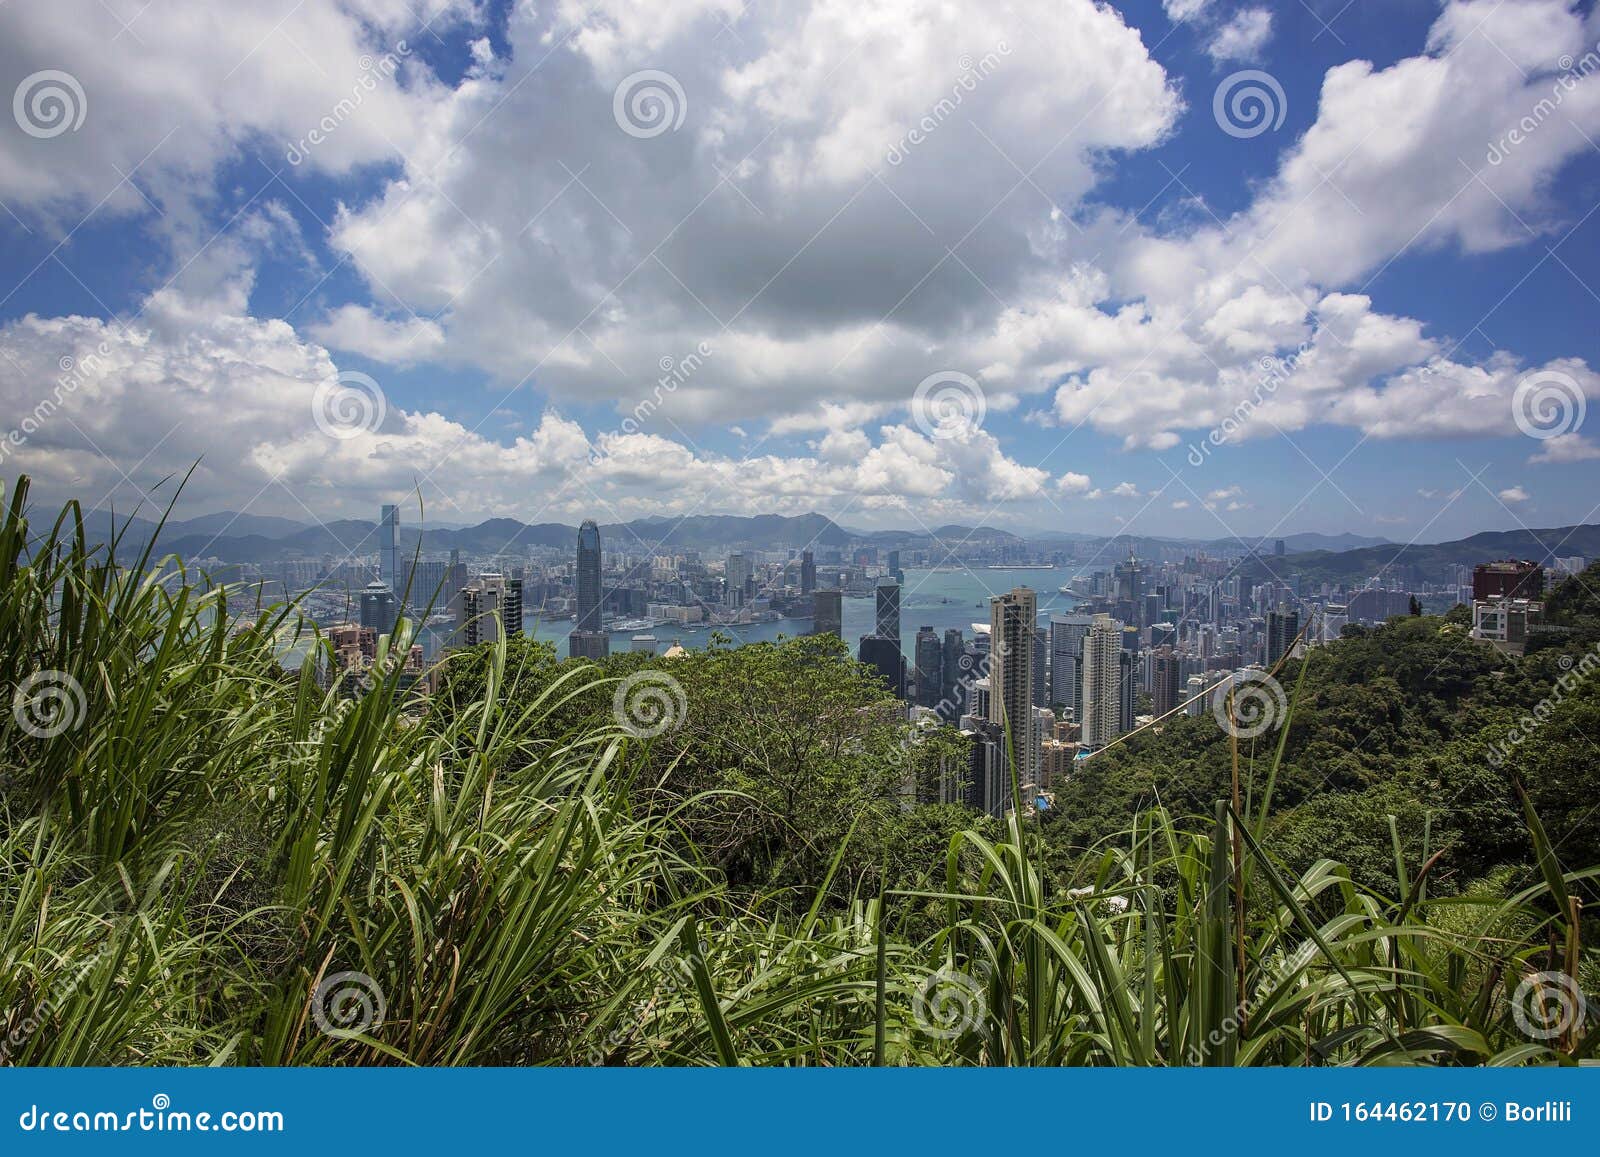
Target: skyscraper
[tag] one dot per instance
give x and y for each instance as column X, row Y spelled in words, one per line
column 883, row 656
column 588, row 640
column 1283, row 627
column 930, row 667
column 379, row 607
column 736, row 578
column 1165, row 669
column 895, row 572
column 952, row 687
column 808, row 572
column 488, row 607
column 1102, row 682
column 389, row 550
column 827, row 613
column 1066, row 661
column 888, row 625
column 1012, row 619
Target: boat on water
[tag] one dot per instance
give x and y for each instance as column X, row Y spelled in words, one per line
column 634, row 625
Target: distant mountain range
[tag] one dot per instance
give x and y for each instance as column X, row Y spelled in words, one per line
column 234, row 537
column 1433, row 560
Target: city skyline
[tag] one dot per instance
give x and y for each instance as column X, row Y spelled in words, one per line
column 926, row 311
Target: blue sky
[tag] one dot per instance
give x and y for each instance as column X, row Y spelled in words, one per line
column 471, row 284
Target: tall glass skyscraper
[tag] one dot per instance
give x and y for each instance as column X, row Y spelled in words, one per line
column 389, row 550
column 889, row 611
column 588, row 640
column 1012, row 637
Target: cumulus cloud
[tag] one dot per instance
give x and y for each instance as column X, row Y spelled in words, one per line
column 1513, row 494
column 839, row 214
column 1242, row 37
column 1565, row 448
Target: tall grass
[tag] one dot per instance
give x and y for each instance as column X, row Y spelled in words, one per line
column 220, row 862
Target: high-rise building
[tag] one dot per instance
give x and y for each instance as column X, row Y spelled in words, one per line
column 379, row 607
column 827, row 613
column 808, row 572
column 488, row 607
column 883, row 656
column 588, row 639
column 1066, row 661
column 951, row 684
column 888, row 620
column 389, row 551
column 895, row 572
column 1012, row 620
column 736, row 578
column 1127, row 689
column 930, row 667
column 1277, row 547
column 1165, row 684
column 1102, row 682
column 1509, row 578
column 1041, row 655
column 1283, row 628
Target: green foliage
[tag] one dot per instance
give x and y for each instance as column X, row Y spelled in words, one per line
column 210, row 850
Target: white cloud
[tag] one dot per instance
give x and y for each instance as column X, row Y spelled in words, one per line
column 396, row 341
column 1181, row 504
column 1070, row 483
column 1181, row 10
column 1243, row 37
column 1513, row 494
column 1565, row 448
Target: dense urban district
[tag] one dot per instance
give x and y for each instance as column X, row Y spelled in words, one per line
column 1230, row 803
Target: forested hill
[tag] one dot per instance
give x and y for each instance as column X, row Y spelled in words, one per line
column 1434, row 560
column 1413, row 719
